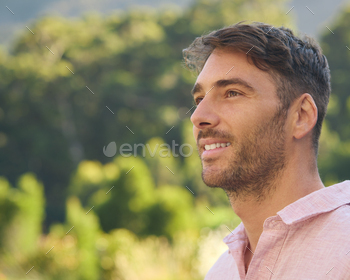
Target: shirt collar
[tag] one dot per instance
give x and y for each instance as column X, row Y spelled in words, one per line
column 238, row 235
column 317, row 202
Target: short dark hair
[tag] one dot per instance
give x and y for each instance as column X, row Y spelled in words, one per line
column 297, row 65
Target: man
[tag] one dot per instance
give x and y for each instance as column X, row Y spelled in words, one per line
column 261, row 97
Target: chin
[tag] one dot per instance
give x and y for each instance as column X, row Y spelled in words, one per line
column 211, row 176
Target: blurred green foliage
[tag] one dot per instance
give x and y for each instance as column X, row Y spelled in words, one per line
column 131, row 61
column 334, row 163
column 73, row 213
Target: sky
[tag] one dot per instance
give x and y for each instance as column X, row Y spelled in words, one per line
column 313, row 16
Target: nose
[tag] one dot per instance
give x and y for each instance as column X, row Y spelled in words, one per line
column 205, row 116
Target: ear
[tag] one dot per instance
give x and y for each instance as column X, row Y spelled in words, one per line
column 305, row 115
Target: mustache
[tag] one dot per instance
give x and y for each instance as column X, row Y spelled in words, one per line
column 209, row 132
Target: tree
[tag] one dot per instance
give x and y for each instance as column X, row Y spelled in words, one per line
column 77, row 85
column 334, row 159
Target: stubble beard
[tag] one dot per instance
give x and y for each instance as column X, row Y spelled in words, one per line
column 255, row 164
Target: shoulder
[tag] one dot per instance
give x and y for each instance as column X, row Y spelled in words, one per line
column 333, row 226
column 224, row 268
column 339, row 220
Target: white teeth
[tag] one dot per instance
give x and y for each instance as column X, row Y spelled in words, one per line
column 217, row 145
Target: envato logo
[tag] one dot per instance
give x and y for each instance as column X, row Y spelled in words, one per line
column 164, row 150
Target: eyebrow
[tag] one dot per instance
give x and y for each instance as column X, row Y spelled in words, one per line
column 223, row 83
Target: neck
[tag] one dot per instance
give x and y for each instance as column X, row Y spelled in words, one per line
column 290, row 186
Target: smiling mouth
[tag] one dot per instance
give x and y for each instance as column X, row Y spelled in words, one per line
column 216, row 146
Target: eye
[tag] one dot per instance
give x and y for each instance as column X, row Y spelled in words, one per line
column 197, row 101
column 232, row 93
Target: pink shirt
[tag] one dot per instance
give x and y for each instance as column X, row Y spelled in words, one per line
column 308, row 239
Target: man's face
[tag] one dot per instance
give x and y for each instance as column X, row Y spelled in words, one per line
column 239, row 113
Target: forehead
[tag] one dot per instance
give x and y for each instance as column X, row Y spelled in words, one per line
column 223, row 64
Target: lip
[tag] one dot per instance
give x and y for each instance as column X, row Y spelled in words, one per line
column 214, row 152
